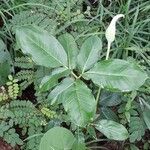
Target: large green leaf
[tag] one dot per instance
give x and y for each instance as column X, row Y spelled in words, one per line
column 89, row 53
column 80, row 103
column 117, row 75
column 112, row 130
column 44, row 48
column 5, row 63
column 50, row 81
column 57, row 138
column 58, row 90
column 70, row 46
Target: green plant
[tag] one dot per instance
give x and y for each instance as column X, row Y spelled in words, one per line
column 45, row 87
column 77, row 99
column 11, row 89
column 24, row 115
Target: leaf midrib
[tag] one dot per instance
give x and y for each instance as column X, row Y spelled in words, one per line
column 103, row 74
column 63, row 90
column 85, row 65
column 45, row 51
column 78, row 99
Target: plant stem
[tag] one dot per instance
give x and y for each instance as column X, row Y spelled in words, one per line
column 108, row 51
column 74, row 75
column 98, row 94
column 98, row 147
column 107, row 56
column 95, row 141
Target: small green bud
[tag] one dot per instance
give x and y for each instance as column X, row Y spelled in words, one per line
column 10, row 77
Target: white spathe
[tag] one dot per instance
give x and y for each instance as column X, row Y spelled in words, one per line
column 111, row 30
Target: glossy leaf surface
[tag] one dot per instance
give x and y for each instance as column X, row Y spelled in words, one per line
column 112, row 130
column 79, row 102
column 50, row 81
column 70, row 46
column 117, row 75
column 57, row 138
column 89, row 53
column 44, row 48
column 59, row 89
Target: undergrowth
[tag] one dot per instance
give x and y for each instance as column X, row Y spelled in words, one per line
column 23, row 122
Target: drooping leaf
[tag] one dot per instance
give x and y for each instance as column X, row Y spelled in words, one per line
column 44, row 48
column 70, row 46
column 112, row 130
column 57, row 138
column 5, row 63
column 108, row 98
column 146, row 117
column 89, row 53
column 58, row 90
column 108, row 114
column 80, row 103
column 117, row 75
column 50, row 81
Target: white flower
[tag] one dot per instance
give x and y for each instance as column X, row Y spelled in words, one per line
column 111, row 30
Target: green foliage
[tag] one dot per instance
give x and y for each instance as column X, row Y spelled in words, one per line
column 11, row 90
column 26, row 77
column 110, row 98
column 49, row 82
column 13, row 87
column 48, row 113
column 33, row 141
column 20, row 112
column 39, row 17
column 5, row 63
column 3, row 94
column 137, row 128
column 65, row 74
column 24, row 62
column 146, row 116
column 117, row 75
column 24, row 114
column 9, row 134
column 112, row 130
column 80, row 110
column 89, row 53
column 108, row 113
column 70, row 46
column 37, row 42
column 76, row 97
column 57, row 138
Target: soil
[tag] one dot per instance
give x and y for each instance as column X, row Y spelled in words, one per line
column 5, row 146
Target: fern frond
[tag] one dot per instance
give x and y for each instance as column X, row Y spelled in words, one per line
column 25, row 75
column 21, row 112
column 24, row 62
column 8, row 133
column 34, row 17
